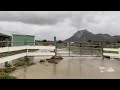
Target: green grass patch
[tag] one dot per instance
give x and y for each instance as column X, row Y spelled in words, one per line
column 6, row 76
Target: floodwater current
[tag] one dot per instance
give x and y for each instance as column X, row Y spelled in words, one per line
column 71, row 68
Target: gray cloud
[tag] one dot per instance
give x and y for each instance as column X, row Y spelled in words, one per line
column 62, row 24
column 34, row 17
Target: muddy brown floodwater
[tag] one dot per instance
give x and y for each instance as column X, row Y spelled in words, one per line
column 72, row 68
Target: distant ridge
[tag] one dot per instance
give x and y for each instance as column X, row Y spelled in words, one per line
column 85, row 36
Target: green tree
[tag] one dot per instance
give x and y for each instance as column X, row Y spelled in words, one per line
column 45, row 40
column 89, row 41
column 60, row 41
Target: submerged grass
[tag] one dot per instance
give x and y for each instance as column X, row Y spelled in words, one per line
column 4, row 72
column 4, row 75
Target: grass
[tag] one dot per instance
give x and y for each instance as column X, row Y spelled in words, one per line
column 8, row 69
column 23, row 62
column 85, row 50
column 61, row 45
column 4, row 72
column 4, row 75
column 20, row 62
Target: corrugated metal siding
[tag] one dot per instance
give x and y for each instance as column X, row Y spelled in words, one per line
column 20, row 40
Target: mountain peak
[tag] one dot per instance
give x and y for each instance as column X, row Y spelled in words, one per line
column 80, row 33
column 85, row 35
column 84, row 30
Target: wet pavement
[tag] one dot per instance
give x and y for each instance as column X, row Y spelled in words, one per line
column 72, row 68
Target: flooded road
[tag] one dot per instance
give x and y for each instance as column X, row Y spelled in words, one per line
column 72, row 68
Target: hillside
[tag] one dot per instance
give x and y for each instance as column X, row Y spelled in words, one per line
column 85, row 35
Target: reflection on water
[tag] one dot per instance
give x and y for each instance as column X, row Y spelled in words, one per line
column 70, row 68
column 102, row 63
column 54, row 69
column 80, row 66
column 68, row 71
column 24, row 72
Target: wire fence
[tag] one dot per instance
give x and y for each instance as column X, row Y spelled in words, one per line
column 83, row 48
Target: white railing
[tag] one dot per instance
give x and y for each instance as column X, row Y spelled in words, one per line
column 10, row 49
column 40, row 54
column 112, row 55
column 45, row 51
column 41, row 47
column 13, row 57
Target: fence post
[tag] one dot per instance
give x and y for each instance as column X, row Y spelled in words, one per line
column 27, row 50
column 91, row 50
column 6, row 63
column 102, row 51
column 69, row 49
column 119, row 53
column 80, row 48
column 55, row 47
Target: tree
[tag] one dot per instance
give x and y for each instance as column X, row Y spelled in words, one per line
column 89, row 41
column 59, row 41
column 45, row 40
column 118, row 41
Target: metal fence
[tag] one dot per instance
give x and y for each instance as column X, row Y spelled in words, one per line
column 80, row 49
column 67, row 49
column 84, row 48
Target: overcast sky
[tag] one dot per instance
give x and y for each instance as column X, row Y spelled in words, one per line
column 62, row 24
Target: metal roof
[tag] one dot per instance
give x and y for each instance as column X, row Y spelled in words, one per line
column 23, row 35
column 4, row 34
column 9, row 34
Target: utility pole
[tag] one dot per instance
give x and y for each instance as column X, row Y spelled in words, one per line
column 69, row 49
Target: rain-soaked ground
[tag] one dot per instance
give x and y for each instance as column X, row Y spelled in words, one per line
column 72, row 68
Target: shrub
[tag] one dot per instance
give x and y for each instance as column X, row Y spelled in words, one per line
column 6, row 76
column 8, row 69
column 41, row 61
column 59, row 41
column 58, row 57
column 54, row 59
column 45, row 40
column 21, row 62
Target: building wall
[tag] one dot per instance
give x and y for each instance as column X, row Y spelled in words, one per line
column 4, row 41
column 22, row 40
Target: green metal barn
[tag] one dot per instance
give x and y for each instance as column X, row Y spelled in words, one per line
column 16, row 40
column 22, row 40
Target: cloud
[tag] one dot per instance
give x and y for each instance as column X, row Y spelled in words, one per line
column 34, row 17
column 61, row 30
column 98, row 21
column 62, row 24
